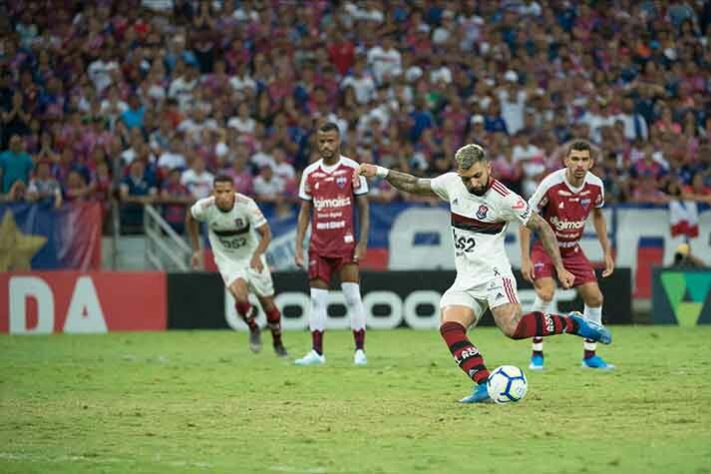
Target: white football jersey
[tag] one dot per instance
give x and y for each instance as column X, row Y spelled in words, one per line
column 479, row 227
column 232, row 233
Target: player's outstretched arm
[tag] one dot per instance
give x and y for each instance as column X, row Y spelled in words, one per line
column 537, row 224
column 402, row 181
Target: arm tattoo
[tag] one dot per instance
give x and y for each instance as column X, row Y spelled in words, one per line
column 547, row 236
column 410, row 184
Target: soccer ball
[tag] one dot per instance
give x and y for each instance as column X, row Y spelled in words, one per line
column 507, row 384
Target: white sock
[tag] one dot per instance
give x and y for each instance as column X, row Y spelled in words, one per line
column 593, row 314
column 351, row 292
column 319, row 301
column 540, row 305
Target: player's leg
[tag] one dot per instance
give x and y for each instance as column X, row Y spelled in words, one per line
column 592, row 296
column 544, row 284
column 319, row 278
column 589, row 290
column 262, row 285
column 274, row 322
column 459, row 311
column 246, row 311
column 508, row 317
column 545, row 289
column 350, row 285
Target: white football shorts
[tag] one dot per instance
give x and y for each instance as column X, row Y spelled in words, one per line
column 259, row 283
column 497, row 291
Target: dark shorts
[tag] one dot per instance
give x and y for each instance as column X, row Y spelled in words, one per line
column 323, row 268
column 574, row 261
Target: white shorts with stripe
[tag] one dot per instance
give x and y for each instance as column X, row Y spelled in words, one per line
column 498, row 291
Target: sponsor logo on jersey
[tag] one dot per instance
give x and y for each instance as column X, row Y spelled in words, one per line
column 341, row 181
column 329, row 225
column 325, row 203
column 481, row 212
column 562, row 224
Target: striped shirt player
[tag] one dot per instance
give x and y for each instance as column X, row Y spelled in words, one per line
column 565, row 199
column 239, row 235
column 233, row 238
column 330, row 190
column 481, row 209
column 478, row 225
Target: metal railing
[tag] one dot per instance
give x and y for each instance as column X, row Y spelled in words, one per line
column 163, row 244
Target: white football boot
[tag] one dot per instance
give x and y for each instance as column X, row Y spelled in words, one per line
column 311, row 358
column 359, row 357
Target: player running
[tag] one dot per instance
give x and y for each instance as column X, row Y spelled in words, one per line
column 565, row 199
column 329, row 187
column 232, row 219
column 481, row 208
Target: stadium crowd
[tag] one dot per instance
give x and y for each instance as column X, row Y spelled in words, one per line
column 145, row 101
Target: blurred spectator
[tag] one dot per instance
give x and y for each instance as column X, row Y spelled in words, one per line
column 43, row 187
column 15, row 118
column 133, row 116
column 175, row 197
column 136, row 190
column 173, row 158
column 269, row 187
column 196, row 179
column 75, row 187
column 15, row 165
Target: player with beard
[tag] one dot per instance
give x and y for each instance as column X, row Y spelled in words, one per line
column 565, row 199
column 481, row 209
column 329, row 192
column 234, row 221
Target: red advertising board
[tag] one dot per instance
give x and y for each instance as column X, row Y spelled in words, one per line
column 79, row 302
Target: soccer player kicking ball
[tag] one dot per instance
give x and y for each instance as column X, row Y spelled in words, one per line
column 481, row 208
column 564, row 199
column 232, row 218
column 329, row 189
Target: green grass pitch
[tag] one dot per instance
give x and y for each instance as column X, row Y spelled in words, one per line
column 200, row 402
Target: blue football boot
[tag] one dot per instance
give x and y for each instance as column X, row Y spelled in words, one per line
column 536, row 362
column 590, row 330
column 479, row 395
column 596, row 362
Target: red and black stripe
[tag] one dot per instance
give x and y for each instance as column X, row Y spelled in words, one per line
column 509, row 289
column 499, row 188
column 474, row 225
